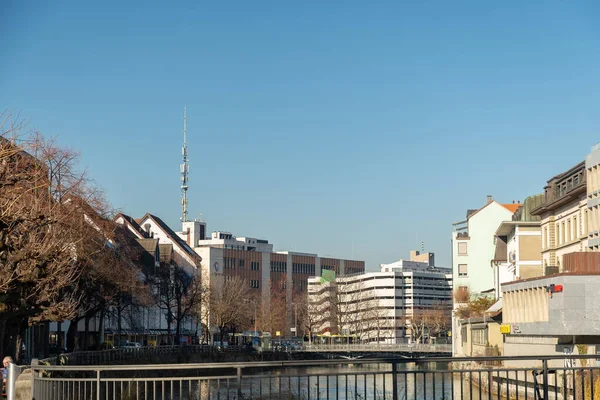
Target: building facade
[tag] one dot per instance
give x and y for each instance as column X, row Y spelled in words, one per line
column 592, row 166
column 383, row 306
column 254, row 260
column 564, row 215
column 519, row 245
column 556, row 314
column 474, row 248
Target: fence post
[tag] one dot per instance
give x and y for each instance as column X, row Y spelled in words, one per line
column 98, row 384
column 239, row 381
column 34, row 363
column 394, row 380
column 545, row 372
column 11, row 380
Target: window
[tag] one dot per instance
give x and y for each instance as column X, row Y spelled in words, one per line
column 568, row 236
column 557, row 233
column 575, row 228
column 278, row 266
column 241, row 263
column 479, row 336
column 576, row 180
column 462, row 248
column 562, row 233
column 254, row 265
column 254, row 284
column 462, row 269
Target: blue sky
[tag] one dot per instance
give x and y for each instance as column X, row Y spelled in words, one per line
column 348, row 129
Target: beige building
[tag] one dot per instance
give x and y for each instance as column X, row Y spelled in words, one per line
column 592, row 165
column 564, row 214
column 480, row 336
column 555, row 314
column 421, row 256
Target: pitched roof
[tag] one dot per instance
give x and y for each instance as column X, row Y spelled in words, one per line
column 148, row 244
column 492, row 202
column 512, row 207
column 173, row 236
column 132, row 223
column 471, row 212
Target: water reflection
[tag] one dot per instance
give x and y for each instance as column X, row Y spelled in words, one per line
column 368, row 381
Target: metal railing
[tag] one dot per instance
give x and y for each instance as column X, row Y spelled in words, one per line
column 139, row 354
column 379, row 348
column 551, row 377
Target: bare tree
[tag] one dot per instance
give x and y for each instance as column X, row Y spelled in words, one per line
column 177, row 292
column 227, row 307
column 429, row 323
column 45, row 241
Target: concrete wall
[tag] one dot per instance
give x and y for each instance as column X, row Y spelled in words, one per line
column 566, row 311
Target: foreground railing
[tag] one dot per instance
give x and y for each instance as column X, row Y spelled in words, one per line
column 478, row 378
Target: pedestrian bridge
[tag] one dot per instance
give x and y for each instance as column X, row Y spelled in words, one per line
column 416, row 348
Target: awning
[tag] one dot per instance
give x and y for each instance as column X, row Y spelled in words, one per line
column 496, row 307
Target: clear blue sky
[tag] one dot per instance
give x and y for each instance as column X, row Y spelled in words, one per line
column 348, row 129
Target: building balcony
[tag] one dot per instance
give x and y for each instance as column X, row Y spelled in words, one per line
column 560, row 194
column 462, row 236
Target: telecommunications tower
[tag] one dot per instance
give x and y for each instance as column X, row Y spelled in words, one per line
column 185, row 169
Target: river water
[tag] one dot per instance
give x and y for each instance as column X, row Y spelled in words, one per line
column 356, row 381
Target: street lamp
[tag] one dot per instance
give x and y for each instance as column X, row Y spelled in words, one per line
column 296, row 319
column 253, row 302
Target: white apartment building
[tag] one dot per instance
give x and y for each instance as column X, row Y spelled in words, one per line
column 473, row 246
column 380, row 306
column 592, row 166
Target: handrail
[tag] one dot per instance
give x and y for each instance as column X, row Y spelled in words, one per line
column 298, row 363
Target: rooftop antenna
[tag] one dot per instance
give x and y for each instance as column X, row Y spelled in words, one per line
column 185, row 169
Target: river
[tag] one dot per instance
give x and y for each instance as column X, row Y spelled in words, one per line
column 354, row 381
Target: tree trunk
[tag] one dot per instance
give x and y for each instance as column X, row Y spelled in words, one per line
column 71, row 333
column 100, row 338
column 46, row 339
column 2, row 332
column 20, row 338
column 119, row 311
column 86, row 333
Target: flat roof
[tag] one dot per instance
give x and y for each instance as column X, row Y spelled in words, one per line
column 507, row 226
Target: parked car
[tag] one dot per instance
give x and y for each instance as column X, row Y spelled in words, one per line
column 131, row 345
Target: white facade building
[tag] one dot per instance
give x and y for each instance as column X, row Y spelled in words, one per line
column 379, row 306
column 473, row 246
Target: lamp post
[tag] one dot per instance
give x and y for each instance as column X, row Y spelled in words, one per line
column 254, row 303
column 296, row 319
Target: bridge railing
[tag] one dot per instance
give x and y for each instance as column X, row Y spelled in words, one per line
column 380, row 347
column 528, row 377
column 127, row 355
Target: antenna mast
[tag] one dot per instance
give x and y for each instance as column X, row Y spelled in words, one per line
column 185, row 169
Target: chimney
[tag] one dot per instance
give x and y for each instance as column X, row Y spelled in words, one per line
column 489, row 198
column 513, row 202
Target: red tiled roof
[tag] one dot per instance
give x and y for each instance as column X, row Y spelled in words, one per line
column 512, row 207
